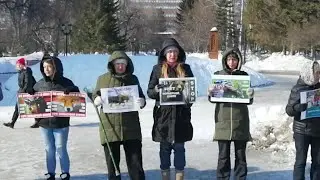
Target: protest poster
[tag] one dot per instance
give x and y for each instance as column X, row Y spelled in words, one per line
column 120, row 99
column 175, row 91
column 67, row 105
column 34, row 106
column 226, row 88
column 51, row 104
column 312, row 99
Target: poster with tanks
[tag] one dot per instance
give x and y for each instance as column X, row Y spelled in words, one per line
column 226, row 88
column 120, row 99
column 175, row 91
column 68, row 105
column 34, row 106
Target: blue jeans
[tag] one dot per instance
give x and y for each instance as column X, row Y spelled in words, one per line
column 56, row 142
column 179, row 155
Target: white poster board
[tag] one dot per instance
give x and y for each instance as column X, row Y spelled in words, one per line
column 120, row 99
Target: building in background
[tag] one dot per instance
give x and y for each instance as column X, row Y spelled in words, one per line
column 169, row 7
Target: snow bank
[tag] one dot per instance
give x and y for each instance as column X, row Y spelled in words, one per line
column 271, row 129
column 276, row 62
column 83, row 75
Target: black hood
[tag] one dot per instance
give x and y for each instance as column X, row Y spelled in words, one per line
column 171, row 42
column 57, row 65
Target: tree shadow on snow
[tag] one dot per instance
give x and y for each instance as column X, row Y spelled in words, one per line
column 190, row 174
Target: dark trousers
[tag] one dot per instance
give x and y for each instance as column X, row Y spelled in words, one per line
column 15, row 114
column 132, row 149
column 302, row 143
column 224, row 165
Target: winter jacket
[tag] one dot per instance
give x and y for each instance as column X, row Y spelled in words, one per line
column 119, row 126
column 305, row 82
column 25, row 80
column 172, row 123
column 1, row 93
column 232, row 119
column 59, row 83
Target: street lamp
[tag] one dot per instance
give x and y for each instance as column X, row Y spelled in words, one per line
column 66, row 29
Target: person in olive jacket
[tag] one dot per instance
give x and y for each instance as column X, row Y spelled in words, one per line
column 232, row 123
column 172, row 123
column 55, row 130
column 121, row 128
column 306, row 131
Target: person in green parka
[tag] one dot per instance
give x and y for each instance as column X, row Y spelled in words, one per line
column 121, row 128
column 232, row 123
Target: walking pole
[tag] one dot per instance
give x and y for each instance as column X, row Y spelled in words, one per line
column 89, row 94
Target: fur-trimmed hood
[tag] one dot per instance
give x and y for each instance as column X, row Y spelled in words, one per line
column 307, row 74
column 225, row 55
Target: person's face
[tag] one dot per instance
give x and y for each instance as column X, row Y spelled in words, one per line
column 19, row 66
column 232, row 63
column 48, row 69
column 316, row 72
column 172, row 55
column 120, row 68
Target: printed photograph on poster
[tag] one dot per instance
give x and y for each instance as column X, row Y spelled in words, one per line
column 177, row 91
column 312, row 99
column 72, row 104
column 226, row 88
column 120, row 99
column 34, row 106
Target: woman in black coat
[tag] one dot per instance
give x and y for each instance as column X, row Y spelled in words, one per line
column 172, row 123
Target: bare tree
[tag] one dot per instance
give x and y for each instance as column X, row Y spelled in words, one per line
column 197, row 24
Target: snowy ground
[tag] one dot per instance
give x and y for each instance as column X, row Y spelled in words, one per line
column 270, row 155
column 22, row 152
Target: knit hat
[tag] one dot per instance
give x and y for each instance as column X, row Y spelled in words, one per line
column 170, row 48
column 21, row 61
column 120, row 61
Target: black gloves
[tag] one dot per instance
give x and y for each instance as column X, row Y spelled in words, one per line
column 69, row 89
column 98, row 93
column 303, row 107
column 30, row 91
column 300, row 107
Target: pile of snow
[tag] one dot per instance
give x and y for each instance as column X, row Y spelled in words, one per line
column 276, row 62
column 275, row 132
column 77, row 68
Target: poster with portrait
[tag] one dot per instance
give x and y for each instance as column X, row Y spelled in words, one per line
column 312, row 99
column 120, row 99
column 175, row 91
column 226, row 88
column 34, row 106
column 68, row 105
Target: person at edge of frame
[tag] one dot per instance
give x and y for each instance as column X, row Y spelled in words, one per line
column 306, row 132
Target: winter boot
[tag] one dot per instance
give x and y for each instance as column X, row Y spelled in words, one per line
column 35, row 125
column 179, row 175
column 9, row 124
column 65, row 176
column 165, row 174
column 50, row 176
